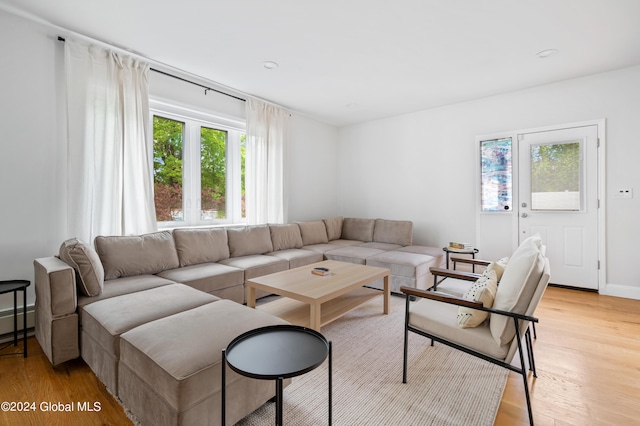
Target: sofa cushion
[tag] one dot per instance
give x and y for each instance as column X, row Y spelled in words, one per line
column 334, row 227
column 314, row 232
column 125, row 285
column 393, row 232
column 86, row 262
column 358, row 229
column 519, row 281
column 103, row 322
column 298, row 257
column 352, row 254
column 257, row 265
column 381, row 246
column 284, row 237
column 483, row 290
column 207, row 277
column 203, row 245
column 249, row 240
column 137, row 255
column 107, row 319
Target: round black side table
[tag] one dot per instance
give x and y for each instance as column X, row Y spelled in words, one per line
column 471, row 251
column 276, row 352
column 14, row 286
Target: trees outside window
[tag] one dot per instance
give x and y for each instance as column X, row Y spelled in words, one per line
column 198, row 169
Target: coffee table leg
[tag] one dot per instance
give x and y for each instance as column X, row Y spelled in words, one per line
column 279, row 401
column 251, row 296
column 387, row 294
column 315, row 316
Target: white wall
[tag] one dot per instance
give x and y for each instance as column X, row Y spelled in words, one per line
column 421, row 166
column 33, row 170
column 312, row 170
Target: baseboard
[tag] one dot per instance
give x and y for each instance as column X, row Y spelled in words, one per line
column 618, row 290
column 6, row 320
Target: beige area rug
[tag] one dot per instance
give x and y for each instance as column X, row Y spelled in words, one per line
column 444, row 386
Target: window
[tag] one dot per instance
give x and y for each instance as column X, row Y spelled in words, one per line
column 556, row 177
column 198, row 168
column 496, row 175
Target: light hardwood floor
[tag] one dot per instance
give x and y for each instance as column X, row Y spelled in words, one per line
column 587, row 357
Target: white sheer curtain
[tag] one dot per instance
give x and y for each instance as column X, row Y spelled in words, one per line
column 110, row 186
column 264, row 176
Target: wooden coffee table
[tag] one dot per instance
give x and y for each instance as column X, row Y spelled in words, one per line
column 313, row 301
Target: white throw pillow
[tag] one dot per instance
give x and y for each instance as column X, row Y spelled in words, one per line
column 483, row 290
column 497, row 266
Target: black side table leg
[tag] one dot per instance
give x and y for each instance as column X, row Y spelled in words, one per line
column 24, row 320
column 223, row 378
column 330, row 385
column 15, row 318
column 279, row 401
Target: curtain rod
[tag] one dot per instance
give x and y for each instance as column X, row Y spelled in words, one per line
column 206, row 88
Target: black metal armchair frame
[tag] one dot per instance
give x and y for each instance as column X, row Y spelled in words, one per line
column 412, row 293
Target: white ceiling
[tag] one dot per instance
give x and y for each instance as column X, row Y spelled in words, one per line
column 387, row 57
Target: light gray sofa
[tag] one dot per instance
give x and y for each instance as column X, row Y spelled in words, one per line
column 95, row 302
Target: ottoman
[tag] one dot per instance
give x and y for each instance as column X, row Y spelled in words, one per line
column 170, row 369
column 104, row 321
column 407, row 268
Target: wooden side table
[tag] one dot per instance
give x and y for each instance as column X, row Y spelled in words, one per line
column 14, row 286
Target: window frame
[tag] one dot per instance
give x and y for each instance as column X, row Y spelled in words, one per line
column 193, row 121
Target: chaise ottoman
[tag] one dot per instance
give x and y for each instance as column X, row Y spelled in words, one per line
column 170, row 369
column 409, row 266
column 105, row 320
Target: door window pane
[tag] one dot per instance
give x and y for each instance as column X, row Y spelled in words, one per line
column 496, row 175
column 213, row 173
column 556, row 178
column 168, row 137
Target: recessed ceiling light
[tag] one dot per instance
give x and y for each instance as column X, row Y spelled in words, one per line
column 270, row 65
column 546, row 53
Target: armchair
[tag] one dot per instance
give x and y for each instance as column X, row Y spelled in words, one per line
column 497, row 339
column 461, row 281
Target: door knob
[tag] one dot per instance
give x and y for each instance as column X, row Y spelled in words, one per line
column 524, row 215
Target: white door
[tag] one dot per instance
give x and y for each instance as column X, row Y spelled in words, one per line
column 558, row 199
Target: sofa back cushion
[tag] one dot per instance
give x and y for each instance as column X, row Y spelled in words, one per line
column 358, row 229
column 517, row 286
column 137, row 255
column 393, row 232
column 313, row 232
column 249, row 240
column 196, row 246
column 86, row 262
column 334, row 228
column 285, row 237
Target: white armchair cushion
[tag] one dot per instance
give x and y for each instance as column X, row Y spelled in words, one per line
column 483, row 290
column 519, row 281
column 439, row 319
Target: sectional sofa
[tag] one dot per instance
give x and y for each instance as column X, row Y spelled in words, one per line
column 150, row 314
